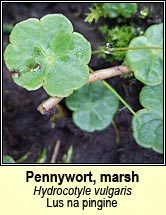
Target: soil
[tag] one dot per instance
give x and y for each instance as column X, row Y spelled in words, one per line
column 26, row 131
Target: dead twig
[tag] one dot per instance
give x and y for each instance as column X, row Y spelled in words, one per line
column 55, row 152
column 108, row 73
column 116, row 132
column 46, row 106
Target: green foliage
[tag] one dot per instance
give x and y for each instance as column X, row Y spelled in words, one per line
column 23, row 159
column 148, row 123
column 67, row 158
column 48, row 53
column 144, row 13
column 114, row 10
column 7, row 28
column 111, row 10
column 42, row 156
column 147, row 63
column 94, row 107
column 8, row 159
column 97, row 11
column 118, row 36
column 151, row 97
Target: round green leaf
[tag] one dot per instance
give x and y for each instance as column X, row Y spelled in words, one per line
column 147, row 64
column 148, row 129
column 116, row 9
column 48, row 53
column 94, row 106
column 8, row 159
column 148, row 123
column 151, row 97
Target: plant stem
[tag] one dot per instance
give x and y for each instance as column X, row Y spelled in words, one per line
column 46, row 106
column 119, row 97
column 125, row 49
column 113, row 70
column 23, row 158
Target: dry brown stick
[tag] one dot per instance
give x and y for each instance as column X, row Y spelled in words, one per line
column 48, row 104
column 55, row 152
column 108, row 73
column 116, row 132
column 102, row 74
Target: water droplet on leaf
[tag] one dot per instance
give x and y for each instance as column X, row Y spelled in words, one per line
column 144, row 12
column 79, row 55
column 108, row 45
column 108, row 48
column 141, row 32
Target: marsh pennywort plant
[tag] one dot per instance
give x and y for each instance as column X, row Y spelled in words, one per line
column 45, row 50
column 47, row 53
